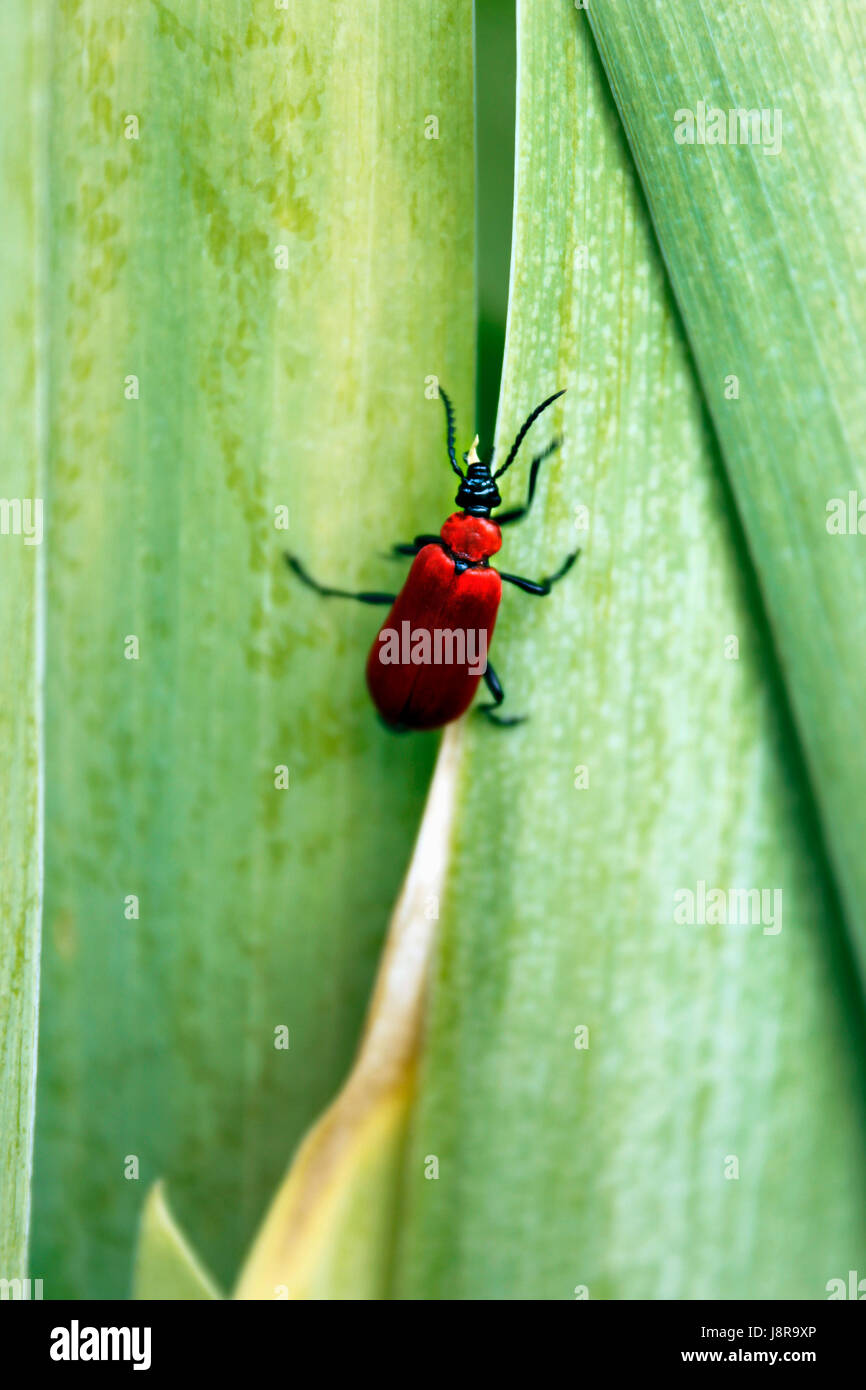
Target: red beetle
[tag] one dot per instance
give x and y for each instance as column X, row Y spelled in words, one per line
column 431, row 652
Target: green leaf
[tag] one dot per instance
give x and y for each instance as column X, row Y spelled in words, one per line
column 329, row 1233
column 765, row 253
column 166, row 1266
column 309, row 387
column 710, row 1139
column 22, row 384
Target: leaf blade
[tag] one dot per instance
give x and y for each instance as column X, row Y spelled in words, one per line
column 22, row 50
column 781, row 311
column 166, row 1266
column 258, row 386
column 565, row 1168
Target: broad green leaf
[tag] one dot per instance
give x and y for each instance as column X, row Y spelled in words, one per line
column 253, row 286
column 709, row 1139
column 23, row 40
column 330, row 1231
column 765, row 248
column 166, row 1267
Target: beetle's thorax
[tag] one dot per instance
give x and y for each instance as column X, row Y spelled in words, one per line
column 471, row 538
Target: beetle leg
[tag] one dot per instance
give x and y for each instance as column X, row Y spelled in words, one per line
column 516, row 513
column 491, row 680
column 364, row 596
column 412, row 547
column 541, row 586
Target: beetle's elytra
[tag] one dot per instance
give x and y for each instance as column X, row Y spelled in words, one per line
column 430, row 653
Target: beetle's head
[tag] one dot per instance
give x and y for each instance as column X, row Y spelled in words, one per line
column 478, row 493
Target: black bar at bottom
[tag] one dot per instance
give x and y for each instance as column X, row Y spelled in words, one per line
column 66, row 1339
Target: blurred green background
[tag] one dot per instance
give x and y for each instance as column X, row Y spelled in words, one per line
column 495, row 112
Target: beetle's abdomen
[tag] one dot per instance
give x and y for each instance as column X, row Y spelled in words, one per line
column 431, row 651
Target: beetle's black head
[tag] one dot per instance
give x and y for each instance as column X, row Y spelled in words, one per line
column 478, row 493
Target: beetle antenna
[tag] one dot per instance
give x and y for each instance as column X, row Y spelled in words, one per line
column 452, row 434
column 521, row 433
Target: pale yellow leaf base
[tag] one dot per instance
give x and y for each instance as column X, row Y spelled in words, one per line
column 330, row 1230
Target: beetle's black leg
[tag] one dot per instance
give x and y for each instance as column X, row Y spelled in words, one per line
column 491, row 680
column 541, row 586
column 516, row 513
column 412, row 547
column 364, row 596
